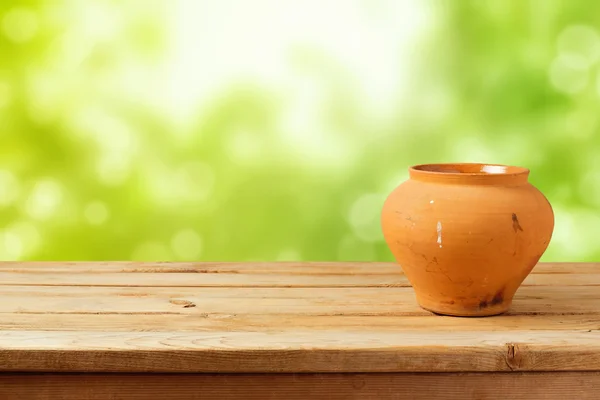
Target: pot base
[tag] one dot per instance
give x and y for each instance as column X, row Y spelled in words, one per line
column 457, row 310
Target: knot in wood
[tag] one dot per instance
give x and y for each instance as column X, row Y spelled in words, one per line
column 514, row 356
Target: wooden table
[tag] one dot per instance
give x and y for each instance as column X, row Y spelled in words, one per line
column 286, row 330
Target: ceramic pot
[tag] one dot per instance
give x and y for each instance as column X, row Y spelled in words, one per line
column 467, row 235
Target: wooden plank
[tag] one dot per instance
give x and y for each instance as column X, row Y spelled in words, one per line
column 357, row 301
column 567, row 268
column 247, row 275
column 81, row 300
column 543, row 279
column 299, row 351
column 490, row 386
column 290, row 317
column 202, row 323
column 288, row 268
column 305, row 267
column 131, row 279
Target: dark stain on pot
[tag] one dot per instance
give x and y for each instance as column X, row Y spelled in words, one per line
column 497, row 299
column 516, row 225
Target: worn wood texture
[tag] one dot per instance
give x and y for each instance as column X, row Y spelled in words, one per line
column 408, row 386
column 282, row 317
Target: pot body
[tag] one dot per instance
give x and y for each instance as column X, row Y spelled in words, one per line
column 467, row 235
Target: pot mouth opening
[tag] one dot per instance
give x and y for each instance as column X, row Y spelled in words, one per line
column 471, row 169
column 470, row 173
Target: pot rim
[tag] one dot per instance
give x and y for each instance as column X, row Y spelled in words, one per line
column 480, row 173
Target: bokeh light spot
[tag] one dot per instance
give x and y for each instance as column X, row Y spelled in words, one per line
column 151, row 251
column 571, row 238
column 113, row 169
column 191, row 182
column 28, row 234
column 289, row 255
column 244, row 147
column 9, row 188
column 394, row 182
column 195, row 180
column 11, row 246
column 579, row 45
column 5, row 94
column 20, row 24
column 96, row 213
column 351, row 248
column 364, row 217
column 471, row 148
column 44, row 200
column 116, row 140
column 568, row 77
column 186, row 244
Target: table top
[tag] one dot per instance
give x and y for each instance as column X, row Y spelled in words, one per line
column 283, row 317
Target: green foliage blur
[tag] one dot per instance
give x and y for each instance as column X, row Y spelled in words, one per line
column 273, row 130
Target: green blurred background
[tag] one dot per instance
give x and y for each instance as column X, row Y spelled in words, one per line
column 272, row 129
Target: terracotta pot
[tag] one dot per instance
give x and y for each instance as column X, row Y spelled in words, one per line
column 467, row 235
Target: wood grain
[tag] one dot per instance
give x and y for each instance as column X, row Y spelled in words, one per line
column 359, row 301
column 312, row 268
column 321, row 275
column 299, row 351
column 491, row 386
column 282, row 317
column 193, row 322
column 186, row 279
column 287, row 268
